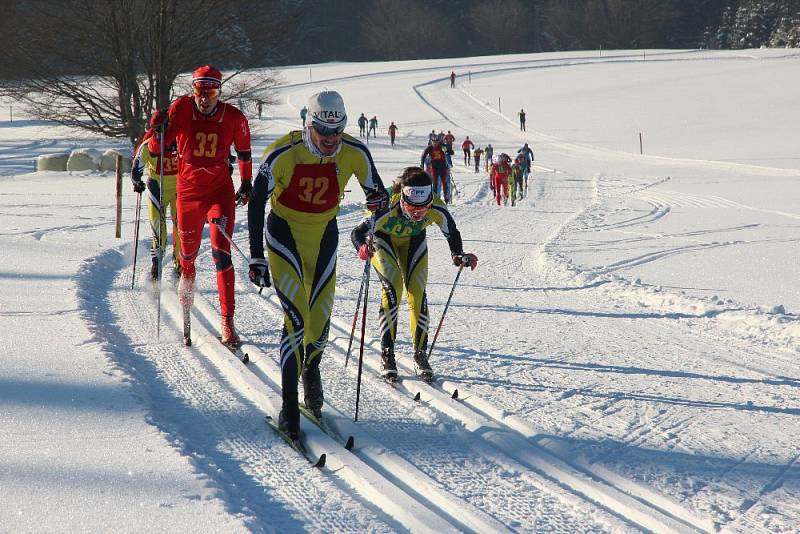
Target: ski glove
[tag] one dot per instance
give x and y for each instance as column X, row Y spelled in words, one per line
column 364, row 252
column 377, row 200
column 159, row 117
column 138, row 186
column 259, row 272
column 243, row 194
column 467, row 260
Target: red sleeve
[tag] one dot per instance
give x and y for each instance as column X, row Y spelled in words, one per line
column 241, row 142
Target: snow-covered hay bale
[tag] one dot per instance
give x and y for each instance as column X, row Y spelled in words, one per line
column 84, row 159
column 109, row 161
column 52, row 162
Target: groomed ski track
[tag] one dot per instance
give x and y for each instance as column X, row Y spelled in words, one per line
column 490, row 460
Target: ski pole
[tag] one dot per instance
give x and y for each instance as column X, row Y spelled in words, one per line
column 218, row 223
column 355, row 315
column 161, row 222
column 447, row 305
column 364, row 318
column 136, row 236
column 221, row 229
column 370, row 239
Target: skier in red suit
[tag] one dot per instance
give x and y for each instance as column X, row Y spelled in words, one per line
column 204, row 129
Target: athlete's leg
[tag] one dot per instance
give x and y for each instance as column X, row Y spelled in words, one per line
column 286, row 265
column 223, row 207
column 415, row 273
column 387, row 266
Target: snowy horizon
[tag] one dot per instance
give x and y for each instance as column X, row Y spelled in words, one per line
column 625, row 354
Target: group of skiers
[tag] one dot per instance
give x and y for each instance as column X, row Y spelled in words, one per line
column 509, row 178
column 302, row 176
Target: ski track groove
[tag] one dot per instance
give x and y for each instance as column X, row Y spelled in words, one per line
column 233, row 435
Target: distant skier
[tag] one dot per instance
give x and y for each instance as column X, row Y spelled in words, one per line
column 401, row 256
column 467, row 146
column 488, row 154
column 521, row 119
column 515, row 182
column 527, row 153
column 499, row 177
column 392, row 132
column 362, row 126
column 438, row 162
column 452, row 79
column 476, row 157
column 373, row 126
column 303, row 114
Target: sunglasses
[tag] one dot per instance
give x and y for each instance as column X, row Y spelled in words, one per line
column 210, row 92
column 415, row 213
column 325, row 130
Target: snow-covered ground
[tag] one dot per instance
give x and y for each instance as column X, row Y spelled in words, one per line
column 625, row 355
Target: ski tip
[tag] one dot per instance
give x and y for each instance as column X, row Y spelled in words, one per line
column 455, row 394
column 321, row 462
column 350, row 443
column 416, row 397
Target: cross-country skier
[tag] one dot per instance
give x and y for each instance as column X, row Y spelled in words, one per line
column 362, row 126
column 498, row 175
column 515, row 182
column 488, row 154
column 303, row 176
column 467, row 146
column 476, row 157
column 147, row 158
column 401, row 257
column 392, row 132
column 435, row 154
column 204, row 129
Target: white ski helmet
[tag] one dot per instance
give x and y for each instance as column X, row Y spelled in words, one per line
column 326, row 112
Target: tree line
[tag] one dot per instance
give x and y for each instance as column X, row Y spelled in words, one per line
column 105, row 65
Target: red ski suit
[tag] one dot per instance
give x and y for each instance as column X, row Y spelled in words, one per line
column 204, row 188
column 499, row 177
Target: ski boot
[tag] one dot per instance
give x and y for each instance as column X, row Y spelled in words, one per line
column 154, row 269
column 229, row 336
column 423, row 368
column 389, row 367
column 312, row 390
column 290, row 428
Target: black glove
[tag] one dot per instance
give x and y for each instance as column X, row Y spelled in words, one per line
column 259, row 272
column 467, row 260
column 243, row 194
column 138, row 185
column 377, row 200
column 158, row 118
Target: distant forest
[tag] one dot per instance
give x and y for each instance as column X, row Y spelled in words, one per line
column 353, row 30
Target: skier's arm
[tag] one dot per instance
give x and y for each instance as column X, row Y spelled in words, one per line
column 422, row 159
column 262, row 190
column 241, row 142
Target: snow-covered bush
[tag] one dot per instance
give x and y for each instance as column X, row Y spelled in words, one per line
column 84, row 159
column 52, row 162
column 108, row 161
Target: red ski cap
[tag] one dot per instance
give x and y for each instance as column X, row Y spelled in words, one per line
column 206, row 76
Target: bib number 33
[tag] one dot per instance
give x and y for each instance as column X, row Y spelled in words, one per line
column 206, row 145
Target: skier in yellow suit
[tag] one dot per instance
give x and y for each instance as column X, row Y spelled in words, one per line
column 401, row 255
column 147, row 158
column 303, row 175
